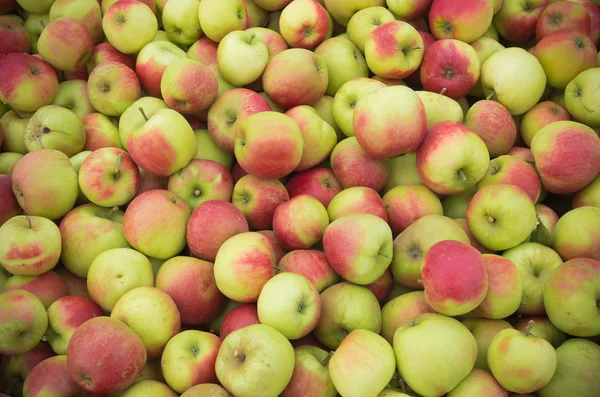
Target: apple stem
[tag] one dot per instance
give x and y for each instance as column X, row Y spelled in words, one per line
column 530, row 325
column 490, row 95
column 277, row 269
column 29, row 222
column 42, row 23
column 443, row 91
column 117, row 172
column 112, row 211
column 461, row 175
column 325, row 361
column 141, row 109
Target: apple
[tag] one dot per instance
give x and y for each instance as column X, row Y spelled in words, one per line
column 55, row 127
column 76, row 286
column 494, row 125
column 408, row 10
column 149, row 387
column 510, row 170
column 188, row 86
column 305, row 24
column 484, row 331
column 180, row 21
column 403, row 171
column 563, row 16
column 577, row 361
column 113, row 87
column 27, row 82
column 588, row 196
column 513, row 67
column 311, row 373
column 103, row 341
column 257, row 199
column 567, row 156
column 242, row 48
column 479, row 382
column 465, row 21
column 88, row 12
column 517, row 21
column 539, row 116
column 152, row 4
column 217, row 18
column 73, row 95
column 153, row 59
column 14, row 368
column 168, row 130
column 210, row 389
column 209, row 150
column 484, row 47
column 154, row 223
column 66, row 44
column 129, row 25
column 131, row 268
column 535, row 263
column 311, row 264
column 8, row 161
column 133, row 118
column 257, row 16
column 10, row 207
column 364, row 362
column 14, row 127
column 547, row 216
column 405, row 204
column 446, row 175
column 48, row 287
column 45, row 183
column 298, row 71
column 343, row 10
column 432, row 340
column 255, row 370
column 364, row 21
column 357, row 200
column 16, row 39
column 352, row 166
column 346, row 99
column 523, row 153
column 401, row 310
column 580, row 101
column 180, row 277
column 521, row 362
column 413, row 243
column 240, row 317
column 462, row 222
column 318, row 182
column 23, row 321
column 272, row 39
column 106, row 52
column 300, row 222
column 51, row 376
column 440, row 108
column 394, row 50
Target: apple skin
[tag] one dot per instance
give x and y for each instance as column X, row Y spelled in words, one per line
column 16, row 39
column 479, row 382
column 403, row 171
column 505, row 288
column 484, row 47
column 133, row 118
column 577, row 93
column 13, row 131
column 311, row 264
column 76, row 286
column 440, row 108
column 539, row 116
column 547, row 216
column 206, row 389
column 229, row 110
column 443, row 174
column 148, row 387
column 298, row 71
column 222, row 218
column 113, row 87
column 129, row 25
column 28, row 83
column 462, row 222
column 181, row 23
column 357, row 200
column 188, row 86
column 346, row 99
column 588, row 196
column 494, row 124
column 401, row 310
column 23, row 321
column 375, row 121
column 10, row 206
column 450, row 66
column 257, row 199
column 48, row 287
column 55, row 127
column 318, row 182
column 179, row 277
column 394, row 50
column 413, row 243
column 217, row 18
column 88, row 12
column 209, row 150
column 484, row 331
column 352, row 166
column 8, row 160
column 244, row 263
column 571, row 16
column 517, row 22
column 73, row 95
column 405, row 204
column 152, row 61
column 152, row 4
column 300, row 222
column 106, row 52
column 460, row 21
column 51, row 378
column 297, row 16
column 462, row 294
column 521, row 362
column 542, row 328
column 269, row 145
column 66, row 44
column 101, row 341
column 101, row 131
column 311, row 374
column 409, row 10
column 240, row 317
column 577, row 361
column 439, row 342
column 510, row 170
column 360, row 310
column 567, row 156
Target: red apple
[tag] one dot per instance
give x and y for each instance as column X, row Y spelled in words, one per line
column 205, row 51
column 14, row 37
column 242, row 316
column 382, row 286
column 539, row 116
column 311, row 264
column 352, row 166
column 563, row 15
column 257, row 199
column 320, row 183
column 51, row 377
column 516, row 21
column 275, row 244
column 101, row 131
column 105, row 52
column 405, row 204
column 465, row 21
column 152, row 61
column 10, row 205
column 47, row 287
column 300, row 222
column 357, row 200
column 511, row 170
column 66, row 44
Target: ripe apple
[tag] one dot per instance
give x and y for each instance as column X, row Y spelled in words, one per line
column 51, row 376
column 272, row 39
column 13, row 135
column 535, row 263
column 218, row 17
column 509, row 68
column 405, row 204
column 133, row 118
column 517, row 21
column 257, row 199
column 180, row 21
column 148, row 387
column 505, row 288
column 10, row 207
column 47, row 287
column 567, row 156
column 400, row 311
column 563, row 16
column 356, row 200
column 413, row 243
column 366, row 20
column 88, row 12
column 484, row 47
column 300, row 222
column 189, row 359
column 23, row 321
column 106, row 52
column 408, row 10
column 153, row 59
column 311, row 373
column 440, row 108
column 432, row 340
column 152, row 4
column 346, row 307
column 305, row 24
column 582, row 102
column 240, row 317
column 129, row 25
column 295, row 77
column 494, row 125
column 103, row 341
column 188, row 86
column 55, row 127
column 168, row 130
column 521, row 362
column 27, row 82
column 131, row 268
column 461, row 21
column 66, row 44
column 180, row 277
column 318, row 182
column 588, row 196
column 510, row 170
column 394, row 50
column 210, row 389
column 311, row 264
column 73, row 95
column 253, row 370
column 539, row 116
column 16, row 39
column 484, row 331
column 346, row 99
column 113, row 87
column 479, row 382
column 352, row 166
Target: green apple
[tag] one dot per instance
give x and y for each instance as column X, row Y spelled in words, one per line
column 582, row 100
column 115, row 272
column 455, row 205
column 520, row 361
column 501, row 216
column 34, row 25
column 434, row 353
column 440, row 108
column 76, row 162
column 403, row 171
column 73, row 95
column 484, row 330
column 129, row 25
column 364, row 21
column 209, row 150
column 344, row 62
column 8, row 161
column 362, row 365
column 55, row 127
column 87, row 11
column 252, row 369
column 578, row 362
column 23, row 321
column 346, row 307
column 148, row 388
column 401, row 310
column 343, row 10
column 113, row 87
column 180, row 21
column 347, row 97
column 542, row 328
column 239, row 48
column 151, row 62
column 484, row 47
column 324, row 107
column 576, row 234
column 478, row 383
column 14, row 127
column 132, row 118
column 219, row 17
column 36, row 6
column 508, row 73
column 311, row 374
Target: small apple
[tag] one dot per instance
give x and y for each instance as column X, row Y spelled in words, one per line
column 129, row 25
column 352, row 166
column 319, row 183
column 539, row 116
column 55, row 127
column 563, row 16
column 23, row 321
column 16, row 38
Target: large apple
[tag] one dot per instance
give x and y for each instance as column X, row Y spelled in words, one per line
column 23, row 321
column 346, row 98
column 66, row 44
column 461, row 21
column 129, row 25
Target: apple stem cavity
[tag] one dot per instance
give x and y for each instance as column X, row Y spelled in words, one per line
column 117, row 172
column 325, row 361
column 239, row 356
column 141, row 109
column 530, row 325
column 461, row 175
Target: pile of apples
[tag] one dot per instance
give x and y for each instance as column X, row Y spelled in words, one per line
column 307, row 198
